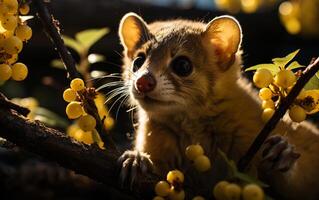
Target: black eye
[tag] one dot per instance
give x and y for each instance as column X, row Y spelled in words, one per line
column 138, row 61
column 182, row 66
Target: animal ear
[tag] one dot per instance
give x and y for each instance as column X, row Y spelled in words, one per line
column 223, row 36
column 132, row 30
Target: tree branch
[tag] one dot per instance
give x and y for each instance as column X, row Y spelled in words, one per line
column 4, row 102
column 51, row 26
column 307, row 74
column 56, row 146
column 52, row 29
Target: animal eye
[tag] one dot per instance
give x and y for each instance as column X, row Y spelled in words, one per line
column 182, row 66
column 138, row 61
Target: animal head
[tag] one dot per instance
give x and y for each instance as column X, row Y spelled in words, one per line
column 173, row 65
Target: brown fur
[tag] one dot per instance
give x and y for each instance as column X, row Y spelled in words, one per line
column 214, row 106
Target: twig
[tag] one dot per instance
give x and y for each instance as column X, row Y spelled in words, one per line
column 51, row 26
column 87, row 97
column 57, row 146
column 307, row 74
column 5, row 103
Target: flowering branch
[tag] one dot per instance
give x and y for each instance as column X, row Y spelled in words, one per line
column 307, row 74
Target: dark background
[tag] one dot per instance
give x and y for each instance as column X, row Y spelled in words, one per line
column 264, row 38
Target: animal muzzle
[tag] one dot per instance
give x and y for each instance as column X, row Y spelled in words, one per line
column 145, row 83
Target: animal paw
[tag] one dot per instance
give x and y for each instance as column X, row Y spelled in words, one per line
column 134, row 164
column 278, row 154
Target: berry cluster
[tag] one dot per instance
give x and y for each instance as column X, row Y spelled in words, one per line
column 232, row 191
column 275, row 82
column 84, row 128
column 172, row 188
column 195, row 153
column 13, row 32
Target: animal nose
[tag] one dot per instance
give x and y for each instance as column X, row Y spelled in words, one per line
column 146, row 83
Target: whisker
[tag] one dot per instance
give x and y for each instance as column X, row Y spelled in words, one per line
column 121, row 55
column 118, row 109
column 103, row 77
column 132, row 108
column 115, row 93
column 111, row 84
column 113, row 104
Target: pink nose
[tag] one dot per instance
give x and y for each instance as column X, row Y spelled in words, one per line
column 146, row 83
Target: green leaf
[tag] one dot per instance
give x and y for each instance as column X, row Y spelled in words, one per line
column 313, row 83
column 50, row 118
column 72, row 43
column 249, row 179
column 57, row 63
column 95, row 58
column 295, row 65
column 89, row 37
column 231, row 164
column 274, row 69
column 282, row 62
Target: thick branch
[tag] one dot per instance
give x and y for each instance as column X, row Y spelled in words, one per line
column 307, row 74
column 56, row 146
column 51, row 26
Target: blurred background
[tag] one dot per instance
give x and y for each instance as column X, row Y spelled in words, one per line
column 271, row 28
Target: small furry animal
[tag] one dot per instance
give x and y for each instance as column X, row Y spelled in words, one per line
column 184, row 78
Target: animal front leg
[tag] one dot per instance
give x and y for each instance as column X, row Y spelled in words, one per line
column 278, row 154
column 134, row 164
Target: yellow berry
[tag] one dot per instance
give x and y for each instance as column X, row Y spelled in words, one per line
column 82, row 136
column 267, row 114
column 9, row 22
column 24, row 32
column 69, row 95
column 5, row 35
column 77, row 84
column 87, row 122
column 202, row 163
column 72, row 129
column 24, row 9
column 262, row 78
column 268, row 104
column 12, row 5
column 297, row 113
column 219, row 190
column 175, row 176
column 176, row 195
column 198, row 198
column 5, row 72
column 12, row 45
column 162, row 188
column 74, row 110
column 158, row 198
column 265, row 94
column 108, row 123
column 233, row 192
column 19, row 71
column 13, row 59
column 193, row 151
column 4, row 10
column 285, row 78
column 253, row 192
